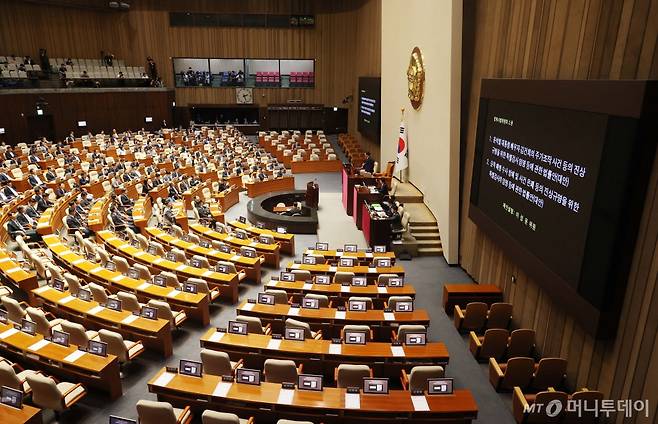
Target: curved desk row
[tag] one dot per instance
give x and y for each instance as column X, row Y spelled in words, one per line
column 278, row 184
column 287, row 240
column 269, row 402
column 270, row 251
column 340, row 291
column 251, row 266
column 227, row 283
column 154, row 334
column 362, row 256
column 194, row 305
column 359, row 270
column 51, row 219
column 311, row 166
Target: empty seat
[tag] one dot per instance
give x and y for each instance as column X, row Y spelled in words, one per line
column 121, row 264
column 215, row 417
column 152, row 412
column 43, row 324
column 549, row 372
column 403, row 329
column 357, row 328
column 499, row 315
column 218, row 363
column 416, row 380
column 492, row 345
column 280, row 296
column 343, row 277
column 350, row 375
column 18, row 381
column 308, row 333
column 129, row 302
column 394, row 300
column 143, row 271
column 516, row 372
column 521, row 343
column 164, row 311
column 15, row 311
column 56, row 396
column 473, row 318
column 77, row 333
column 254, row 324
column 323, row 300
column 281, row 371
column 367, row 300
column 124, row 350
column 523, row 413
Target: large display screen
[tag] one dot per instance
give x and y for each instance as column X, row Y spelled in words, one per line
column 369, row 107
column 559, row 176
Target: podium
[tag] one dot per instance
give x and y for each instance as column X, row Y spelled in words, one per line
column 312, row 195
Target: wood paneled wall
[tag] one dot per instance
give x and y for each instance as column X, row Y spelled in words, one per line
column 576, row 39
column 145, row 31
column 102, row 109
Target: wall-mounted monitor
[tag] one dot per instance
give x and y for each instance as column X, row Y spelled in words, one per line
column 560, row 173
column 148, row 119
column 369, row 107
column 82, row 124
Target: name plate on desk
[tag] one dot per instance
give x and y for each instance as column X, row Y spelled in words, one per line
column 129, row 319
column 344, row 289
column 181, row 267
column 335, row 349
column 274, row 344
column 158, row 261
column 248, row 307
column 65, row 300
column 295, row 266
column 173, row 293
column 332, row 269
column 8, row 333
column 95, row 310
column 74, row 356
column 41, row 289
column 117, row 278
column 38, row 345
column 397, row 351
column 235, row 257
column 164, row 379
column 97, row 269
column 352, row 401
column 286, row 396
column 340, row 315
column 222, row 388
column 216, row 336
column 293, row 311
column 207, row 273
column 420, row 403
column 372, row 270
column 78, row 261
column 143, row 286
column 382, row 289
column 140, row 253
column 307, row 286
column 389, row 316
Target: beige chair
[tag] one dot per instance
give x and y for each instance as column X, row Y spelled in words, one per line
column 280, row 296
column 165, row 312
column 499, row 316
column 143, row 241
column 521, row 343
column 73, row 282
column 15, row 311
column 77, row 334
column 9, row 377
column 357, row 328
column 492, row 345
column 516, row 372
column 124, row 350
column 343, row 277
column 129, row 302
column 308, row 334
column 152, row 412
column 202, row 287
column 233, row 270
column 367, row 300
column 302, row 275
column 157, row 248
column 281, row 371
column 170, row 279
column 122, row 264
column 350, row 375
column 267, row 238
column 98, row 292
column 59, row 397
column 403, row 329
column 143, row 271
column 254, row 324
column 214, row 417
column 588, row 414
column 103, row 255
column 250, row 252
column 44, row 325
column 202, row 260
column 5, row 291
column 218, row 363
column 178, row 231
column 322, row 299
column 393, row 300
column 179, row 255
column 549, row 372
column 383, row 278
column 416, row 380
column 473, row 318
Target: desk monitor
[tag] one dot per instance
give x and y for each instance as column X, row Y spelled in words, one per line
column 59, row 285
column 152, row 250
column 323, row 279
column 28, row 327
column 247, row 376
column 347, row 262
column 404, row 306
column 205, row 243
column 260, row 225
column 357, row 305
column 287, row 276
column 133, row 273
column 84, row 294
column 242, row 219
column 196, row 263
column 439, row 386
column 97, row 348
column 266, row 299
column 119, row 420
column 323, row 246
column 237, row 327
column 359, row 281
column 192, row 368
column 292, row 333
column 190, row 288
column 309, row 382
column 249, row 253
column 82, row 124
column 224, row 248
column 383, row 262
column 160, row 280
column 222, row 268
column 114, row 304
column 170, row 256
column 309, row 260
column 240, row 235
column 380, row 249
column 415, row 338
column 396, row 282
column 11, row 397
column 377, row 386
column 355, row 337
column 350, row 248
column 3, row 316
column 111, row 266
column 134, row 243
column 265, row 240
column 310, row 303
column 148, row 312
column 60, row 337
column 281, row 230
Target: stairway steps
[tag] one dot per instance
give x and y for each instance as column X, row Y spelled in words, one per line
column 409, row 199
column 426, row 236
column 428, row 243
column 430, row 251
column 424, row 229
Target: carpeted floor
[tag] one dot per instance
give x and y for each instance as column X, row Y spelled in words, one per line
column 426, row 274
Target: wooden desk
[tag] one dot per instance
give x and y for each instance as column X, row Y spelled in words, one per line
column 371, row 273
column 287, row 241
column 269, row 251
column 91, row 370
column 349, row 180
column 361, row 195
column 162, row 191
column 13, row 273
column 340, row 291
column 376, row 230
column 194, row 305
column 26, row 415
column 364, row 257
column 97, row 216
column 142, row 211
column 311, row 166
column 330, row 320
column 462, row 294
column 154, row 334
column 327, row 406
column 267, row 186
column 228, row 283
column 51, row 218
column 229, row 197
column 251, row 266
column 322, row 357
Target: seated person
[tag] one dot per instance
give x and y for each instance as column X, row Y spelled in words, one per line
column 14, row 228
column 24, row 219
column 369, row 164
column 7, row 193
column 75, row 224
column 202, row 208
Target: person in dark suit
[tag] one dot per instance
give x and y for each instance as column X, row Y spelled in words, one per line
column 9, row 154
column 75, row 224
column 33, row 158
column 202, row 209
column 14, row 228
column 31, row 209
column 125, row 201
column 34, row 179
column 24, row 219
column 173, row 191
column 50, row 174
column 4, row 177
column 8, row 192
column 369, row 164
column 61, row 190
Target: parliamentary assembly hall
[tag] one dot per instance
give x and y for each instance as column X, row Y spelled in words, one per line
column 328, row 211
